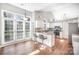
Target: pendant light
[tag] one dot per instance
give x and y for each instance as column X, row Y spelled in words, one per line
column 25, row 14
column 26, row 17
column 25, row 11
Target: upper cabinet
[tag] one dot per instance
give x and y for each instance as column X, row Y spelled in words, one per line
column 73, row 20
column 58, row 24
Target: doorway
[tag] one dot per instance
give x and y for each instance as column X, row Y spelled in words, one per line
column 73, row 29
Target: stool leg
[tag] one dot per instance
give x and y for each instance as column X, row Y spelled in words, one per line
column 36, row 41
column 42, row 46
column 42, row 41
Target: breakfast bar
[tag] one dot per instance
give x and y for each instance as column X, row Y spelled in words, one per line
column 49, row 39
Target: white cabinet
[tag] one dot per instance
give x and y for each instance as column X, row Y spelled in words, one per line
column 50, row 41
column 14, row 27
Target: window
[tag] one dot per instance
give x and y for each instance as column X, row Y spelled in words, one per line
column 18, row 17
column 8, row 15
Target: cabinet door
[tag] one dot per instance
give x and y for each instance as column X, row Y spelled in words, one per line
column 8, row 30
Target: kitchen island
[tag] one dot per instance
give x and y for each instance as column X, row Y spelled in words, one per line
column 49, row 41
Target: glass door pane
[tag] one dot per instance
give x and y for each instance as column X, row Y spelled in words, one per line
column 8, row 30
column 19, row 34
column 18, row 17
column 19, row 26
column 27, row 29
column 19, row 30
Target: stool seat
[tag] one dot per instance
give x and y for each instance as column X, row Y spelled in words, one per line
column 35, row 35
column 42, row 37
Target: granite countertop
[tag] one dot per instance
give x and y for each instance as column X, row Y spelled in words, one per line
column 46, row 33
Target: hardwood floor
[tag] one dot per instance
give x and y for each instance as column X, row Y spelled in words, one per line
column 22, row 48
column 60, row 48
column 27, row 47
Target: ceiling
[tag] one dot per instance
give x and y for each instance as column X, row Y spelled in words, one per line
column 31, row 6
column 57, row 9
column 37, row 6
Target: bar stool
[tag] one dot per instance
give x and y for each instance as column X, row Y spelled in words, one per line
column 42, row 37
column 35, row 38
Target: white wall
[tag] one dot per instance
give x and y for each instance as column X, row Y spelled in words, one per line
column 39, row 24
column 0, row 26
column 43, row 15
column 39, row 15
column 65, row 30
